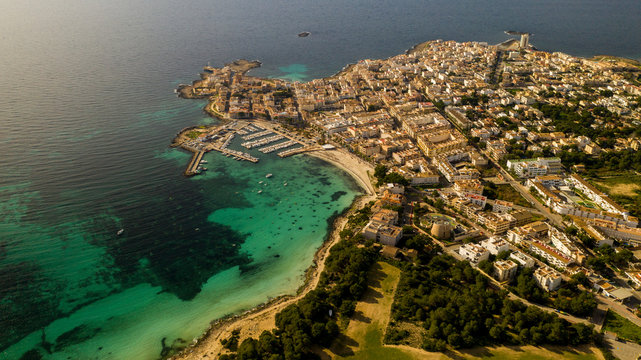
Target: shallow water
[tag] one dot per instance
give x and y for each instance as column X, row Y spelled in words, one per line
column 87, row 111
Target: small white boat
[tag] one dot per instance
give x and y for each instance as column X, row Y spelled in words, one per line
column 260, row 191
column 285, row 184
column 203, row 161
column 120, row 232
column 260, row 182
column 268, row 175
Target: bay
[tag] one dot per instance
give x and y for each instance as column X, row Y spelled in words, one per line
column 87, row 111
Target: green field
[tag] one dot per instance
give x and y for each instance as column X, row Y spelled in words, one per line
column 625, row 184
column 623, row 327
column 364, row 335
column 622, row 187
column 531, row 353
column 507, row 193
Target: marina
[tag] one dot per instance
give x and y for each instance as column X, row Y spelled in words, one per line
column 202, row 139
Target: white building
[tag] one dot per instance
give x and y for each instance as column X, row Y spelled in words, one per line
column 495, row 245
column 395, row 188
column 597, row 196
column 547, row 278
column 535, row 167
column 501, row 206
column 475, row 199
column 522, row 259
column 474, row 253
column 563, row 243
column 552, row 255
column 505, row 269
column 383, row 233
column 635, row 276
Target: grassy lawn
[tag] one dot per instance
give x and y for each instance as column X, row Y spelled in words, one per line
column 622, row 327
column 372, row 348
column 532, row 353
column 506, row 192
column 193, row 134
column 364, row 336
column 587, row 204
column 624, row 184
column 622, row 187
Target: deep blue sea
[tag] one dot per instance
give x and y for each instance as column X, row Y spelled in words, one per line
column 87, row 111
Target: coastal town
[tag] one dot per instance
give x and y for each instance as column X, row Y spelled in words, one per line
column 519, row 162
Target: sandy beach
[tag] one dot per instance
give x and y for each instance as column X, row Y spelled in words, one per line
column 350, row 163
column 253, row 322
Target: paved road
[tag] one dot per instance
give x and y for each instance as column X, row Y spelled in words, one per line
column 554, row 218
column 573, row 319
column 618, row 308
column 624, row 350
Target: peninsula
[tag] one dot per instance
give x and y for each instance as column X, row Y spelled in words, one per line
column 510, row 172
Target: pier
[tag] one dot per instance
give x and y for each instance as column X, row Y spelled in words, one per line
column 271, row 148
column 238, row 155
column 290, row 152
column 260, row 142
column 257, row 135
column 192, row 168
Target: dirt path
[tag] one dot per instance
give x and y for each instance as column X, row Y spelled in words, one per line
column 363, row 338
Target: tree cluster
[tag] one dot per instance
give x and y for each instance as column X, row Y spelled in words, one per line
column 383, row 176
column 361, row 216
column 453, row 302
column 312, row 320
column 569, row 298
column 620, row 259
column 573, row 120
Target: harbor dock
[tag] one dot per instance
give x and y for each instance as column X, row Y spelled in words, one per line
column 263, row 137
column 257, row 135
column 271, row 148
column 260, row 142
column 192, row 168
column 290, row 152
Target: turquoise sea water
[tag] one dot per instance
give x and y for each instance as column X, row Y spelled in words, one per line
column 260, row 243
column 293, row 72
column 87, row 111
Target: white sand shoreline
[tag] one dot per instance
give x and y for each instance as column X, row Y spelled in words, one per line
column 350, row 163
